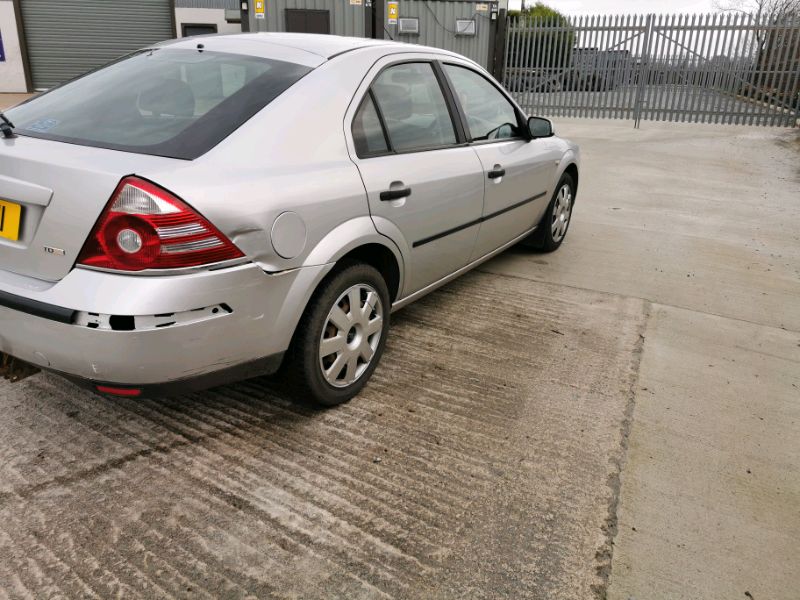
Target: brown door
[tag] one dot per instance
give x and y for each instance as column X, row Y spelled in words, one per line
column 308, row 21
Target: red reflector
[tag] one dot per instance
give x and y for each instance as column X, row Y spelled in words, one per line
column 106, row 389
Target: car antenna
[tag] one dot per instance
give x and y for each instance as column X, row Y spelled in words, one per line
column 6, row 127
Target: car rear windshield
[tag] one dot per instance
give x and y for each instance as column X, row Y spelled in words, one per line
column 165, row 102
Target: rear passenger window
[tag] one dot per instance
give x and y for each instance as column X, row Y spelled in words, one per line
column 413, row 107
column 367, row 131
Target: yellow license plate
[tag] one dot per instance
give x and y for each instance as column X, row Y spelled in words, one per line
column 10, row 214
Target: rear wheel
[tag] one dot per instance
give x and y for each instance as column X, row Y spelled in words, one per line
column 341, row 336
column 553, row 227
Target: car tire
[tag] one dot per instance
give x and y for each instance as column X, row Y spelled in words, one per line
column 554, row 225
column 350, row 334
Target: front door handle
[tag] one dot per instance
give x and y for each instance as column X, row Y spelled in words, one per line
column 496, row 172
column 396, row 193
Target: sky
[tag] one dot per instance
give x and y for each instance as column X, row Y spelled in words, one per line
column 611, row 7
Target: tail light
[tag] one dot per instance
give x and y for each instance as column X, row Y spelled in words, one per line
column 146, row 227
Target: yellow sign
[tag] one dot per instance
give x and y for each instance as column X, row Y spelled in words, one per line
column 355, row 2
column 482, row 7
column 260, row 8
column 10, row 214
column 393, row 9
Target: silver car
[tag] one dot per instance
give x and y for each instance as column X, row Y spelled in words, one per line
column 210, row 209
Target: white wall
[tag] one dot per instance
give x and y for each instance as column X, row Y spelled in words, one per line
column 12, row 73
column 205, row 16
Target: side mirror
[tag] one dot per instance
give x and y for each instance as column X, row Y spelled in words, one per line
column 539, row 128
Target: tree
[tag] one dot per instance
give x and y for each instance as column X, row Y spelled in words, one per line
column 542, row 11
column 768, row 10
column 769, row 43
column 557, row 44
column 763, row 12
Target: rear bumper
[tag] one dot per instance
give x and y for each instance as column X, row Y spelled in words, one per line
column 255, row 368
column 175, row 332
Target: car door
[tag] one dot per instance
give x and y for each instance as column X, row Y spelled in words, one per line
column 423, row 181
column 518, row 172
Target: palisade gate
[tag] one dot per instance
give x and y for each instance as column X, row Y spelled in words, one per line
column 720, row 68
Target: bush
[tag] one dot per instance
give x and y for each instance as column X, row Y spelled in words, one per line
column 555, row 45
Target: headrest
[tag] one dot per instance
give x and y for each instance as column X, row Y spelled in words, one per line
column 168, row 97
column 395, row 100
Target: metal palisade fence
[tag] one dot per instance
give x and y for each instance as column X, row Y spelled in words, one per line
column 719, row 68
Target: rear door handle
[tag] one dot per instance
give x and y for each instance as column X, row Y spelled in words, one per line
column 498, row 171
column 395, row 194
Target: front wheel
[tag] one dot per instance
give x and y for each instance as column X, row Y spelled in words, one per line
column 341, row 336
column 553, row 227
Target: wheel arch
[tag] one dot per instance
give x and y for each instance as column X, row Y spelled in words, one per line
column 382, row 259
column 572, row 171
column 358, row 239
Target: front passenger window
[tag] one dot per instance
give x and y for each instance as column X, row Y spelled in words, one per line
column 490, row 116
column 413, row 107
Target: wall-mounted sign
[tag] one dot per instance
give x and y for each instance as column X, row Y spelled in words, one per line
column 260, row 8
column 392, row 10
column 355, row 2
column 2, row 52
column 482, row 7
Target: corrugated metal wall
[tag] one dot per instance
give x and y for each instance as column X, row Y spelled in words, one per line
column 346, row 19
column 66, row 38
column 437, row 27
column 223, row 4
column 437, row 22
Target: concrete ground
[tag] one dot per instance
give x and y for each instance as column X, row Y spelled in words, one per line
column 702, row 222
column 617, row 419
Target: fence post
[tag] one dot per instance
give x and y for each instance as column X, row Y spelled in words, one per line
column 643, row 72
column 497, row 45
column 794, row 86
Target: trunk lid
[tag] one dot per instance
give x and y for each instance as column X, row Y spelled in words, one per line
column 60, row 190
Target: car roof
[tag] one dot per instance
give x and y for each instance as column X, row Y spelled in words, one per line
column 321, row 46
column 326, row 46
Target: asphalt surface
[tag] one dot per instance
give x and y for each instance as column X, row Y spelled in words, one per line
column 481, row 462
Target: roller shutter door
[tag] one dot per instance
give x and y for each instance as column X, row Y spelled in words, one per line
column 69, row 37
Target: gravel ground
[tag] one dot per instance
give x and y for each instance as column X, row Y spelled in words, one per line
column 481, row 462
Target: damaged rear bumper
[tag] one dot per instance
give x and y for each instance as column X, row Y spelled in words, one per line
column 170, row 333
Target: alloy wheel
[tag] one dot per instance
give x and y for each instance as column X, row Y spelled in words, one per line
column 351, row 335
column 562, row 210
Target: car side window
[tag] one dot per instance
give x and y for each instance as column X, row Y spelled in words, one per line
column 413, row 107
column 367, row 130
column 490, row 116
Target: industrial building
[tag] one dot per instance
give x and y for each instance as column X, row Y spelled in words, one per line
column 46, row 42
